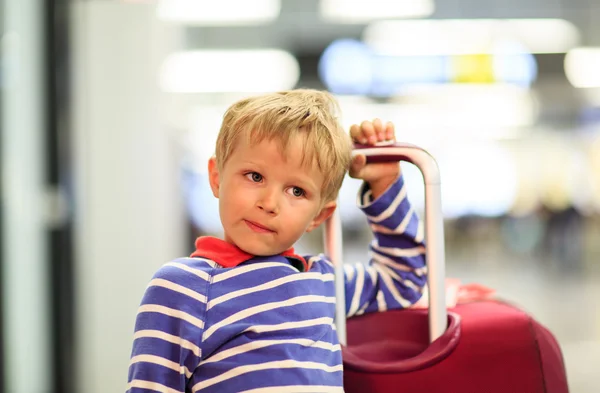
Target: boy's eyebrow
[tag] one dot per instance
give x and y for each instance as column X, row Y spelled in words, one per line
column 305, row 180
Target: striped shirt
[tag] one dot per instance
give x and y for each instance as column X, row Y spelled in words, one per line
column 266, row 325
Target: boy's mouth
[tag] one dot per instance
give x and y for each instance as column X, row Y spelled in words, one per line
column 257, row 227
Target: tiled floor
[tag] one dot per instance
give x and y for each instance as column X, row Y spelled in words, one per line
column 569, row 305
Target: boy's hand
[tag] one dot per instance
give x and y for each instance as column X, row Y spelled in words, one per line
column 380, row 175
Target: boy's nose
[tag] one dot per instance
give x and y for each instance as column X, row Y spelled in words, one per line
column 269, row 202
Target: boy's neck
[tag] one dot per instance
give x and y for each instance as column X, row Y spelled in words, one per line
column 229, row 255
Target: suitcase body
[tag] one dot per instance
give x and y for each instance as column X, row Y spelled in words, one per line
column 499, row 349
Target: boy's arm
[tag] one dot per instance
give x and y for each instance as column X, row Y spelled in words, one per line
column 168, row 330
column 396, row 274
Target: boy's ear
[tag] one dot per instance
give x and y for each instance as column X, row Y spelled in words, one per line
column 323, row 215
column 213, row 176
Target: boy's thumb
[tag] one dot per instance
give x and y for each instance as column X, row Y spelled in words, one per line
column 358, row 162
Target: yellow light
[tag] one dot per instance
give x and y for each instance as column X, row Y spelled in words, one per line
column 473, row 69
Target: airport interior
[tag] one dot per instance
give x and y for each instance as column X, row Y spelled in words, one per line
column 110, row 110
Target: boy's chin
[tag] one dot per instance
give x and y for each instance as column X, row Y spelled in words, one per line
column 259, row 250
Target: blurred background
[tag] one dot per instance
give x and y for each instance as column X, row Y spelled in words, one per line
column 109, row 111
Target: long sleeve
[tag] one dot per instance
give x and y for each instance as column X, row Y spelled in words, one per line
column 168, row 329
column 396, row 274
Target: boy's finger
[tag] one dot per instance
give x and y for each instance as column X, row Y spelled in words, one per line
column 378, row 126
column 368, row 131
column 356, row 134
column 390, row 131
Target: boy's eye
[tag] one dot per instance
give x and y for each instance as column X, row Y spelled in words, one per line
column 297, row 192
column 254, row 176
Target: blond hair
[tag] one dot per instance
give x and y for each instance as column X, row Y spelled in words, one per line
column 282, row 117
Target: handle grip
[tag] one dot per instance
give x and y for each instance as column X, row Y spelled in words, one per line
column 434, row 234
column 399, row 151
column 382, row 155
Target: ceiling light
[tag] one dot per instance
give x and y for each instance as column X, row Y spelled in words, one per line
column 582, row 67
column 223, row 71
column 434, row 111
column 360, row 11
column 222, row 12
column 469, row 36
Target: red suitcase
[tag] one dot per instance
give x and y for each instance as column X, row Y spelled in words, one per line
column 479, row 347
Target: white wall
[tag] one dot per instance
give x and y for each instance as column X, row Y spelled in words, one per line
column 129, row 218
column 25, row 287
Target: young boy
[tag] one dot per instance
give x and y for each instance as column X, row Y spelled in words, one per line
column 246, row 314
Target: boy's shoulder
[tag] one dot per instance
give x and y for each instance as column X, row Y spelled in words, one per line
column 319, row 263
column 198, row 268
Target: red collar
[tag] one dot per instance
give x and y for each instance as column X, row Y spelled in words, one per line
column 228, row 255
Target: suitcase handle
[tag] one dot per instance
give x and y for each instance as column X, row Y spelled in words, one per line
column 434, row 234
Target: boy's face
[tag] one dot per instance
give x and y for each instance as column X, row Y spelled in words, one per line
column 268, row 200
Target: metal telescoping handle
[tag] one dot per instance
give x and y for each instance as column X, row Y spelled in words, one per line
column 434, row 235
column 333, row 248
